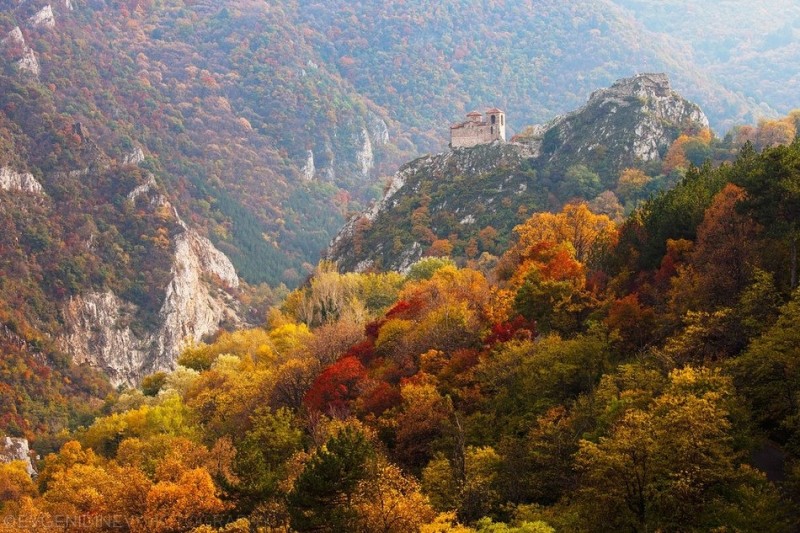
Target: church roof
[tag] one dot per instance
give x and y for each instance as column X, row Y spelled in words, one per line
column 474, row 114
column 494, row 110
column 469, row 124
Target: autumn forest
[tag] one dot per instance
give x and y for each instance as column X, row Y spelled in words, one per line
column 592, row 327
column 601, row 377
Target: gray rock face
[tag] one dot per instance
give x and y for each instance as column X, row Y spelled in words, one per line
column 364, row 157
column 44, row 17
column 98, row 326
column 636, row 119
column 24, row 182
column 135, row 157
column 144, row 188
column 16, row 449
column 14, row 36
column 26, row 61
column 309, row 169
column 378, row 129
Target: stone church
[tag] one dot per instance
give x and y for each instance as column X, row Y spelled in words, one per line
column 477, row 130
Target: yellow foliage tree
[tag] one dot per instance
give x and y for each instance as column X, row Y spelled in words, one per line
column 631, row 181
column 676, row 156
column 575, row 224
column 391, row 502
column 170, row 506
column 445, row 523
column 774, row 132
column 15, row 482
column 256, row 344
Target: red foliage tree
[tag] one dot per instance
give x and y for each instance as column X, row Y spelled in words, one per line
column 337, row 386
column 505, row 331
column 364, row 351
column 379, row 398
column 632, row 320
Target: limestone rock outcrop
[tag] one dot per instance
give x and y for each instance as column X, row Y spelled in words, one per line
column 100, row 328
column 11, row 180
column 44, row 17
column 16, row 449
column 635, row 120
column 24, row 56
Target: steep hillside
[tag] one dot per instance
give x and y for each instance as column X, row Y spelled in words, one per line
column 750, row 48
column 634, row 377
column 532, row 59
column 98, row 265
column 140, row 141
column 256, row 143
column 467, row 201
column 269, row 123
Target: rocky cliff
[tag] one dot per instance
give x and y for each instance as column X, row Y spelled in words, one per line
column 633, row 121
column 100, row 328
column 11, row 180
column 128, row 283
column 16, row 449
column 466, row 201
column 21, row 54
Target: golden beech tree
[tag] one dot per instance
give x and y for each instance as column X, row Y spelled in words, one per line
column 15, row 482
column 774, row 132
column 687, row 149
column 190, row 499
column 440, row 248
column 722, row 259
column 631, row 182
column 391, row 502
column 423, row 417
column 673, row 464
column 575, row 224
column 25, row 515
column 676, row 156
column 95, row 495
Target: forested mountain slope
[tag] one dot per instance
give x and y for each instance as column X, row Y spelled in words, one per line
column 270, row 121
column 749, row 48
column 131, row 132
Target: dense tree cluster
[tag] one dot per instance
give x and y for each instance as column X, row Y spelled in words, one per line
column 601, row 377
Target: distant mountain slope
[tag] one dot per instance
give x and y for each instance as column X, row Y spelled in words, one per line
column 254, row 140
column 751, row 48
column 429, row 64
column 468, row 200
column 268, row 123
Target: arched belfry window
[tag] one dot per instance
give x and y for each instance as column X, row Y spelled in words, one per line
column 501, row 120
column 493, row 119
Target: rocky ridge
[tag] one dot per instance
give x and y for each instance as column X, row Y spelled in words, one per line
column 493, row 187
column 16, row 449
column 23, row 55
column 635, row 120
column 467, row 165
